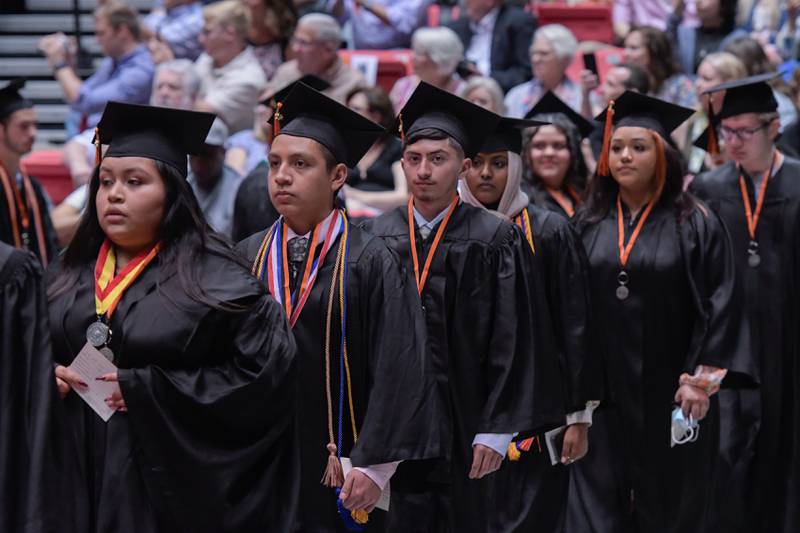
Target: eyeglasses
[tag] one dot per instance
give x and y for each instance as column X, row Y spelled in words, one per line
column 302, row 43
column 743, row 134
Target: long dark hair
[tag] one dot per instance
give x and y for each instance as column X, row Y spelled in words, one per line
column 663, row 63
column 601, row 194
column 577, row 172
column 184, row 233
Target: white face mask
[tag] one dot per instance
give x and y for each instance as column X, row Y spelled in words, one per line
column 683, row 430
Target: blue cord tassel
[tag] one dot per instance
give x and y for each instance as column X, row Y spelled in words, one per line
column 349, row 522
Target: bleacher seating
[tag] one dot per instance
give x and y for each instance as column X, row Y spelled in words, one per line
column 588, row 21
column 48, row 167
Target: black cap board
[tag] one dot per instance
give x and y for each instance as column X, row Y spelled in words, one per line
column 160, row 133
column 11, row 100
column 746, row 95
column 639, row 110
column 312, row 81
column 431, row 107
column 508, row 135
column 308, row 113
column 550, row 104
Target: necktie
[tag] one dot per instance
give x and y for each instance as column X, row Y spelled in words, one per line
column 297, row 249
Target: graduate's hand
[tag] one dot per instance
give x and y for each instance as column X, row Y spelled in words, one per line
column 359, row 492
column 484, row 461
column 115, row 401
column 66, row 380
column 576, row 443
column 693, row 401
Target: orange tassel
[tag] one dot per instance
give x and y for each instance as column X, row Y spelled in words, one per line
column 334, row 475
column 97, row 149
column 276, row 124
column 400, row 128
column 602, row 165
column 713, row 142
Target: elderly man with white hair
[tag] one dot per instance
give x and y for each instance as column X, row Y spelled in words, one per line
column 552, row 50
column 315, row 46
column 437, row 53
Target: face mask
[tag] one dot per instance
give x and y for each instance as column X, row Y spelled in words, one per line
column 683, row 430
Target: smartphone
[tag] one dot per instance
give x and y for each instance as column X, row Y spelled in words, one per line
column 590, row 63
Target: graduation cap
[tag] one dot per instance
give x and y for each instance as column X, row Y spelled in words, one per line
column 11, row 100
column 508, row 135
column 312, row 81
column 634, row 109
column 746, row 95
column 308, row 113
column 552, row 104
column 431, row 107
column 160, row 133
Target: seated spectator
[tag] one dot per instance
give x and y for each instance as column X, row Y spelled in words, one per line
column 214, row 183
column 552, row 50
column 173, row 30
column 437, row 53
column 717, row 28
column 485, row 92
column 789, row 141
column 496, row 38
column 751, row 53
column 231, row 78
column 271, row 26
column 381, row 24
column 377, row 183
column 627, row 14
column 315, row 46
column 621, row 78
column 651, row 50
column 246, row 149
column 125, row 74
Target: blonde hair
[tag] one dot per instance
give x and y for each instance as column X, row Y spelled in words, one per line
column 727, row 66
column 229, row 13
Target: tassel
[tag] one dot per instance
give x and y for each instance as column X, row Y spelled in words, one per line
column 353, row 520
column 602, row 165
column 97, row 150
column 713, row 142
column 513, row 453
column 276, row 123
column 334, row 475
column 400, row 128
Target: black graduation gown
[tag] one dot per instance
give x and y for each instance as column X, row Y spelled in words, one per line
column 491, row 347
column 207, row 443
column 545, row 200
column 531, row 493
column 393, row 395
column 253, row 210
column 6, row 229
column 683, row 310
column 759, row 487
column 31, row 481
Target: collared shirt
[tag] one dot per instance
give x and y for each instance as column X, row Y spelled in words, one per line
column 524, row 96
column 426, row 226
column 233, row 89
column 480, row 46
column 369, row 32
column 180, row 27
column 128, row 79
column 218, row 203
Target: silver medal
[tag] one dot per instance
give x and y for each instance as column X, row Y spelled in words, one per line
column 107, row 353
column 97, row 334
column 622, row 292
column 754, row 260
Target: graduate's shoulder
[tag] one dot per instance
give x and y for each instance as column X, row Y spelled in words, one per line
column 226, row 276
column 791, row 170
column 393, row 223
column 364, row 246
column 716, row 180
column 478, row 225
column 549, row 223
column 17, row 266
column 248, row 247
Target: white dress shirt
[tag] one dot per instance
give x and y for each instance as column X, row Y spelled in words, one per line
column 479, row 50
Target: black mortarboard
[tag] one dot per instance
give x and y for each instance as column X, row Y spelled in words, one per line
column 552, row 104
column 160, row 133
column 508, row 135
column 431, row 107
column 308, row 113
column 312, row 81
column 11, row 100
column 639, row 110
column 746, row 95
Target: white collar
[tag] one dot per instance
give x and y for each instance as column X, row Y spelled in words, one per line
column 323, row 230
column 421, row 221
column 487, row 21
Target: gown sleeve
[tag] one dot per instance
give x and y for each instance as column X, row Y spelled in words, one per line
column 721, row 335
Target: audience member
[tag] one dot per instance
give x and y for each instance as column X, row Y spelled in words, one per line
column 173, row 30
column 315, row 43
column 231, row 78
column 627, row 14
column 377, row 183
column 717, row 28
column 246, row 149
column 485, row 92
column 381, row 24
column 214, row 184
column 496, row 38
column 621, row 78
column 271, row 27
column 552, row 50
column 125, row 74
column 437, row 53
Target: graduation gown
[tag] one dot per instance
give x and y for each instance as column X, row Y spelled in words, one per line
column 541, row 198
column 6, row 228
column 31, row 480
column 394, row 398
column 253, row 210
column 759, row 487
column 207, row 443
column 531, row 493
column 491, row 347
column 683, row 310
